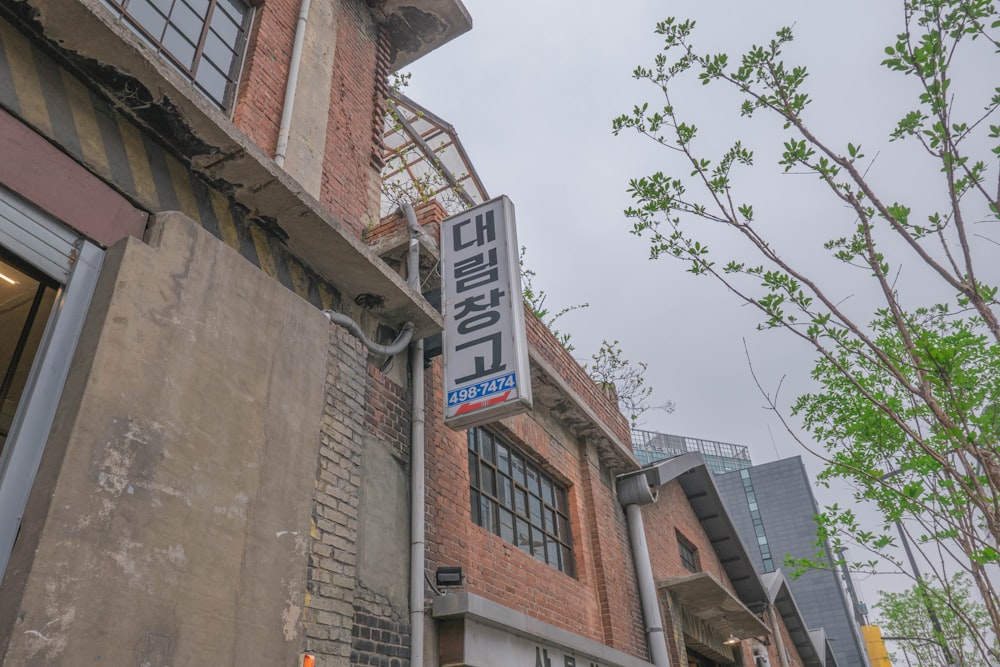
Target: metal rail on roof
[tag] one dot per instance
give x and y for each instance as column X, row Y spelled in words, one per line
column 424, row 159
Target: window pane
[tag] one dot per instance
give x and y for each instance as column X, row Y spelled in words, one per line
column 537, row 545
column 487, row 514
column 233, row 8
column 199, row 7
column 552, row 552
column 535, row 511
column 523, row 534
column 533, row 481
column 504, row 491
column 561, row 501
column 547, row 492
column 506, row 526
column 473, row 436
column 550, row 521
column 218, row 53
column 212, row 80
column 563, row 527
column 474, row 504
column 503, row 459
column 473, row 470
column 227, row 29
column 517, row 467
column 179, row 47
column 187, row 22
column 489, row 480
column 486, row 447
column 147, row 16
column 567, row 561
column 521, row 502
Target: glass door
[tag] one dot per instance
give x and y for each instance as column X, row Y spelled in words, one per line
column 26, row 299
column 48, row 273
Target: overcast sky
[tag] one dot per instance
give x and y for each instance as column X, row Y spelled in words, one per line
column 532, row 90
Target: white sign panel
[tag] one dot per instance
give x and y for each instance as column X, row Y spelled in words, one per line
column 487, row 646
column 485, row 351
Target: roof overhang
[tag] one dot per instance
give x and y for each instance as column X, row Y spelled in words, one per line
column 780, row 595
column 552, row 391
column 695, row 479
column 702, row 595
column 417, row 27
column 822, row 645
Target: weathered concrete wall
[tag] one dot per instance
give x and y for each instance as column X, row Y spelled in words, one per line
column 179, row 518
column 311, row 108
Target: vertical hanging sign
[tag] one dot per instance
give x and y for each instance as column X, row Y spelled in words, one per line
column 486, row 373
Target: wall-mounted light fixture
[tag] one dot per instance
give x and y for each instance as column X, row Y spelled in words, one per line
column 732, row 641
column 449, row 575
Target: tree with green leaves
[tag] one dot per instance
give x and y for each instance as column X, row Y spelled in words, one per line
column 908, row 375
column 908, row 627
column 626, row 380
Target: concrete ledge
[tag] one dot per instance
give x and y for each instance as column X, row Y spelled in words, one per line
column 417, row 27
column 551, row 390
column 467, row 606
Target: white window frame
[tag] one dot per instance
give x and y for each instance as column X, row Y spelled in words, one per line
column 76, row 263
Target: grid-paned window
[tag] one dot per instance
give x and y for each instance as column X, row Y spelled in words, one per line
column 689, row 554
column 203, row 39
column 513, row 498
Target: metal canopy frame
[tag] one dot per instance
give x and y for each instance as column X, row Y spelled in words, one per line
column 424, row 159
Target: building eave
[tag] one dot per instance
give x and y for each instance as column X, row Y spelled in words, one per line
column 691, row 471
column 417, row 27
column 780, row 595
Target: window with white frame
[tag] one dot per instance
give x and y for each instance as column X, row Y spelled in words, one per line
column 203, row 39
column 513, row 498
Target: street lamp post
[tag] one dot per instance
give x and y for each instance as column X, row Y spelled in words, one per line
column 935, row 623
column 927, row 603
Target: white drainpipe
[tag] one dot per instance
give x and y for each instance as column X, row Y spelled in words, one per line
column 291, row 85
column 633, row 493
column 417, row 539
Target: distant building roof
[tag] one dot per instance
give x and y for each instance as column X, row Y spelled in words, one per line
column 721, row 457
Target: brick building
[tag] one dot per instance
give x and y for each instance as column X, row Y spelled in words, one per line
column 197, row 467
column 186, row 439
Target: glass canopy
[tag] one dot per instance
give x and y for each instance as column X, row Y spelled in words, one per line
column 424, row 160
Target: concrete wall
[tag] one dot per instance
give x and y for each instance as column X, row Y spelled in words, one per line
column 179, row 477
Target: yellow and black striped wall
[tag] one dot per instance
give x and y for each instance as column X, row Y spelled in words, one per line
column 55, row 104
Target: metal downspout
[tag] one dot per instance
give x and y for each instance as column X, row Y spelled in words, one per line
column 633, row 492
column 291, row 85
column 417, row 538
column 779, row 640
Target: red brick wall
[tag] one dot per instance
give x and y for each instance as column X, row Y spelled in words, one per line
column 350, row 184
column 265, row 71
column 350, row 179
column 670, row 514
column 542, row 340
column 600, row 602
